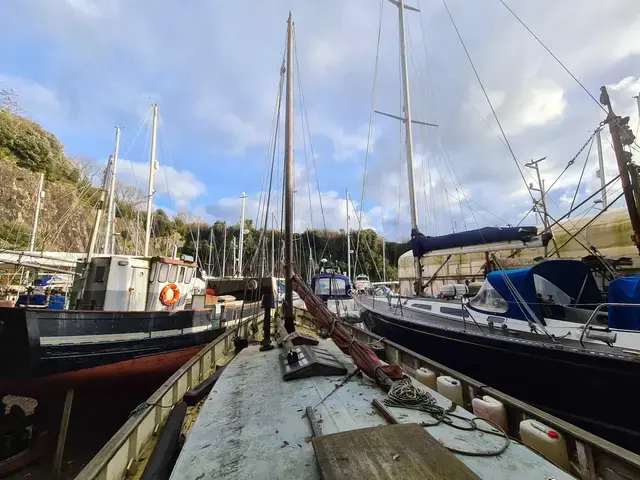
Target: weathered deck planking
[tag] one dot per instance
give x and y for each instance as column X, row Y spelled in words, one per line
column 388, row 452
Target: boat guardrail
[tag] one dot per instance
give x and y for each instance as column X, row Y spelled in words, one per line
column 597, row 458
column 595, row 312
column 119, row 454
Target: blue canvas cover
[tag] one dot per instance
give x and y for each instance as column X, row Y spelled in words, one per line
column 329, row 276
column 568, row 275
column 624, row 290
column 422, row 244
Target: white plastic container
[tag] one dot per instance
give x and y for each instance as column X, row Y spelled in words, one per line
column 427, row 377
column 450, row 388
column 546, row 441
column 453, row 290
column 490, row 409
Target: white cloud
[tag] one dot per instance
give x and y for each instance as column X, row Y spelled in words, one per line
column 180, row 187
column 35, row 99
column 544, row 105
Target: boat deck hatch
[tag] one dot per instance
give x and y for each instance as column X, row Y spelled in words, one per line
column 310, row 362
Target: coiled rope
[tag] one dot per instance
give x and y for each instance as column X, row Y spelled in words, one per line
column 403, row 394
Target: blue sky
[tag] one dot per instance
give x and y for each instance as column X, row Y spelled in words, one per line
column 82, row 66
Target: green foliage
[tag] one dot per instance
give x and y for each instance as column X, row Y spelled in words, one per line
column 14, row 235
column 30, row 146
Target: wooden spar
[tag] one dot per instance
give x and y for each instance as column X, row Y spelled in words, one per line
column 623, row 158
column 288, row 175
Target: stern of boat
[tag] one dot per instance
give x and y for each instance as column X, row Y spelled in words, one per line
column 19, row 342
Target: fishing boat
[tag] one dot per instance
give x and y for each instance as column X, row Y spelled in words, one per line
column 329, row 407
column 540, row 333
column 130, row 316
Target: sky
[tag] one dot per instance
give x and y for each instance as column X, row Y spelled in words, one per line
column 80, row 67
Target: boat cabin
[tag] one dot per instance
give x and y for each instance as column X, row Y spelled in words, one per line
column 130, row 283
column 331, row 286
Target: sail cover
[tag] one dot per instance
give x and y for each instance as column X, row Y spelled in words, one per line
column 578, row 286
column 624, row 290
column 422, row 244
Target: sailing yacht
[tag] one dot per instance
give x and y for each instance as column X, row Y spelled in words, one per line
column 539, row 333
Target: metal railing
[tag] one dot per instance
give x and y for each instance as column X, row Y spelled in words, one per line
column 120, row 454
column 593, row 456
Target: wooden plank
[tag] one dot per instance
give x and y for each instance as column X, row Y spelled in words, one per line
column 404, row 451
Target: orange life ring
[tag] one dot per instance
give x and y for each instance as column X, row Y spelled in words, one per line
column 169, row 301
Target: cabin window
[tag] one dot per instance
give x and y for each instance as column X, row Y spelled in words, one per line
column 549, row 293
column 188, row 275
column 152, row 275
column 489, row 300
column 163, row 273
column 454, row 311
column 99, row 275
column 330, row 286
column 173, row 273
column 424, row 306
column 181, row 275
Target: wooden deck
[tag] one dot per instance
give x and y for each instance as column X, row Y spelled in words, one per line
column 252, row 426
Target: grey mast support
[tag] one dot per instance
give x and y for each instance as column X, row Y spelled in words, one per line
column 601, row 169
column 288, row 181
column 152, row 171
column 109, row 238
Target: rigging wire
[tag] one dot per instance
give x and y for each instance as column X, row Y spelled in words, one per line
column 369, row 132
column 586, row 160
column 486, row 95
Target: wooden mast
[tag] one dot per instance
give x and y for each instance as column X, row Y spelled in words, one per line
column 288, row 181
column 621, row 135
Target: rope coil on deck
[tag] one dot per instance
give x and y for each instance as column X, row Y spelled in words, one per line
column 403, row 394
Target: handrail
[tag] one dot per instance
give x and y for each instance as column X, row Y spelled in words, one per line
column 124, row 448
column 597, row 309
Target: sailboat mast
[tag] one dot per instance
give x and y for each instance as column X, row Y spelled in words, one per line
column 409, row 139
column 36, row 215
column 241, row 245
column 109, row 238
column 273, row 245
column 152, row 170
column 288, row 181
column 210, row 269
column 224, row 251
column 623, row 158
column 348, row 241
column 601, row 169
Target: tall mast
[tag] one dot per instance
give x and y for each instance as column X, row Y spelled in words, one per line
column 273, row 245
column 36, row 215
column 618, row 127
column 241, row 246
column 152, row 171
column 288, row 182
column 224, row 251
column 603, row 191
column 235, row 261
column 384, row 263
column 109, row 238
column 348, row 241
column 210, row 249
column 198, row 245
column 406, row 119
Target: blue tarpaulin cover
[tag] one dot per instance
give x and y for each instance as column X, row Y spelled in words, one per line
column 624, row 290
column 568, row 275
column 422, row 244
